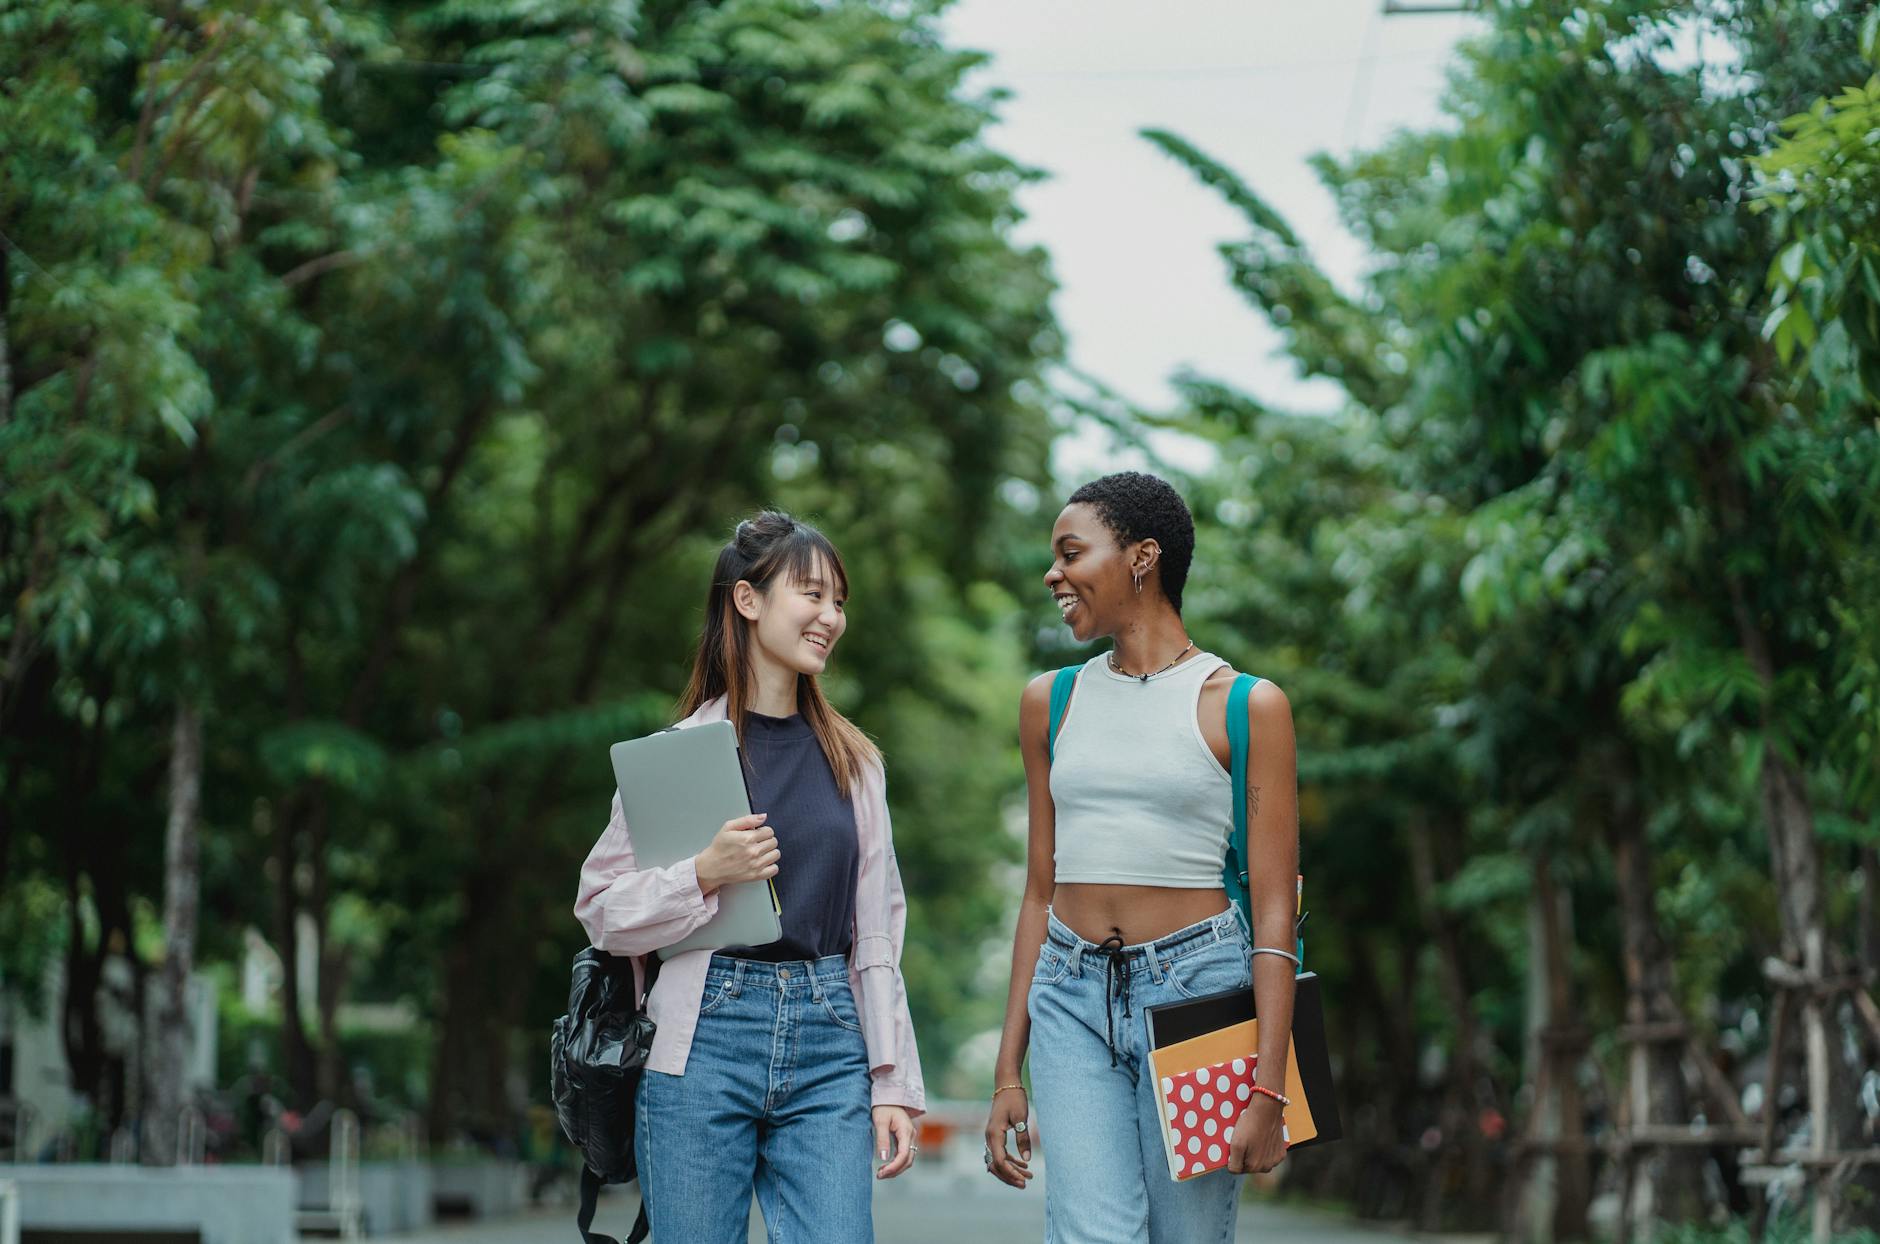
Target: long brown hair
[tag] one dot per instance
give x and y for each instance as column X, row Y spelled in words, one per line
column 766, row 547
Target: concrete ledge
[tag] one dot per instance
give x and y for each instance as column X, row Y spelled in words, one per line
column 221, row 1204
column 396, row 1196
column 485, row 1189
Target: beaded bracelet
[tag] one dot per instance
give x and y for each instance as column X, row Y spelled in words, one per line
column 1281, row 1098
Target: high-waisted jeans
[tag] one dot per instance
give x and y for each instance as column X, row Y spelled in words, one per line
column 1106, row 1177
column 775, row 1096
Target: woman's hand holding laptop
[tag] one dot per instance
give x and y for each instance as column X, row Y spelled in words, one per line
column 744, row 849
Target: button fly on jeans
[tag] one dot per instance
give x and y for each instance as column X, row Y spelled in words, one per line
column 783, row 974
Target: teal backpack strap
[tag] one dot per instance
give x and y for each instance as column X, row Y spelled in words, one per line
column 1061, row 688
column 1234, row 870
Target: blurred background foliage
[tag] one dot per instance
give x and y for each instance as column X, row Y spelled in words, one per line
column 377, row 382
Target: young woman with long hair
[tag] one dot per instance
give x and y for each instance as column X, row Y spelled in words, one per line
column 1123, row 907
column 768, row 1061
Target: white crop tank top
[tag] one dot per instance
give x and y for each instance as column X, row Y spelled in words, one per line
column 1140, row 798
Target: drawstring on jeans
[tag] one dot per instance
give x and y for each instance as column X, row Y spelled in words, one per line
column 1116, row 977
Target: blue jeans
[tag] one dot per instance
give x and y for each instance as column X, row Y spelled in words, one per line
column 775, row 1096
column 1106, row 1177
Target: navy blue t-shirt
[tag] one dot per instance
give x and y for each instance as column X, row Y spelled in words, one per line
column 790, row 778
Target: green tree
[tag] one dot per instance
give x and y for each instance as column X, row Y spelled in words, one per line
column 1561, row 339
column 377, row 382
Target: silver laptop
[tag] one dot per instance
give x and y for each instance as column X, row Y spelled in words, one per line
column 677, row 789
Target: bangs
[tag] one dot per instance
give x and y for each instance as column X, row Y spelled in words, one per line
column 806, row 554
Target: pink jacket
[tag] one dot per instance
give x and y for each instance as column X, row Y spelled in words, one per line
column 634, row 911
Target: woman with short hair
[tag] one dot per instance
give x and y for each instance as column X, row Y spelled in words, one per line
column 1124, row 907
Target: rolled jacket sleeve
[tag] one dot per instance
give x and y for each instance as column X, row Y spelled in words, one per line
column 635, row 911
column 881, row 928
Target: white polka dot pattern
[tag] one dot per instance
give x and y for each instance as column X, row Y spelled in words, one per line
column 1201, row 1130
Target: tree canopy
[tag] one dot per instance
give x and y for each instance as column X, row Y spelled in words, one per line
column 378, row 380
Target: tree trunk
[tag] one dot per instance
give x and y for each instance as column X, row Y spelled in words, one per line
column 328, row 987
column 1868, row 939
column 1662, row 1185
column 296, row 1053
column 483, row 1005
column 1795, row 852
column 1553, row 1198
column 335, row 1085
column 80, row 1028
column 1394, row 1084
column 94, row 854
column 110, row 892
column 292, row 815
column 6, row 367
column 169, row 1080
column 1853, row 1201
column 1462, row 1138
column 1380, row 1053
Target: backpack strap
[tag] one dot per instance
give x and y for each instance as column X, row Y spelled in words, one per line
column 584, row 1213
column 1061, row 688
column 1234, row 868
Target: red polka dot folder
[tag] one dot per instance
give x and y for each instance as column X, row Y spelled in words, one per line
column 1200, row 1108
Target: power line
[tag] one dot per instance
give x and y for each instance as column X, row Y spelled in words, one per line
column 1213, row 71
column 36, row 266
column 1399, row 8
column 1361, row 82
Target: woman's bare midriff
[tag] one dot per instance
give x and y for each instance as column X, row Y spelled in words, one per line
column 1138, row 913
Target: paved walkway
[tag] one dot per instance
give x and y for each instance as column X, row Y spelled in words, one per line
column 942, row 1207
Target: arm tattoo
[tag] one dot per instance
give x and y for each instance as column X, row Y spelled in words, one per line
column 1253, row 800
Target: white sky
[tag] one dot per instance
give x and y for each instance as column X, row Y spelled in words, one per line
column 1259, row 85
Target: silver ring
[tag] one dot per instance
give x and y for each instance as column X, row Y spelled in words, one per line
column 1019, row 1127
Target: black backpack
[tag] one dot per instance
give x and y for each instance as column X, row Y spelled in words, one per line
column 595, row 1056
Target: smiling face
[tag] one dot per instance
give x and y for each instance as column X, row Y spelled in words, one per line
column 796, row 621
column 1090, row 573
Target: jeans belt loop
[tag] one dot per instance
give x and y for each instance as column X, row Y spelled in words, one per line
column 737, row 977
